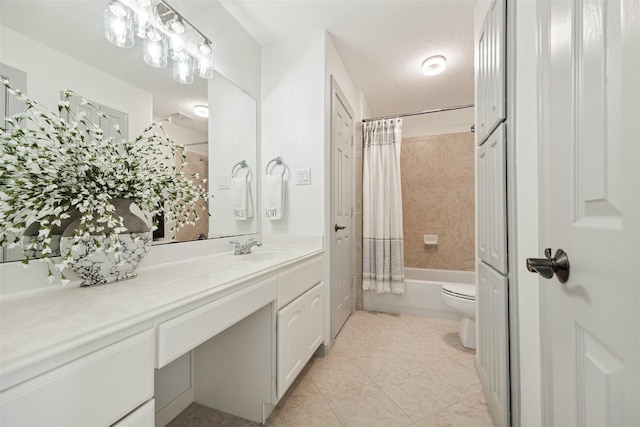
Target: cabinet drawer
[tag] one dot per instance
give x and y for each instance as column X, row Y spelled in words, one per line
column 95, row 390
column 296, row 281
column 185, row 332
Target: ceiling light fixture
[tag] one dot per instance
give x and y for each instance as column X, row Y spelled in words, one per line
column 201, row 110
column 164, row 32
column 433, row 65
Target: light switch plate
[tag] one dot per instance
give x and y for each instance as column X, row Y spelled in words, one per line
column 303, row 176
column 224, row 182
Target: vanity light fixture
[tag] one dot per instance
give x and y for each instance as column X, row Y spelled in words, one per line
column 433, row 65
column 201, row 110
column 165, row 32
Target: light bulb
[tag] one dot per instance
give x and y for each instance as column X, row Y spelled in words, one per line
column 142, row 17
column 204, row 66
column 176, row 25
column 117, row 8
column 118, row 27
column 205, row 47
column 182, row 71
column 155, row 50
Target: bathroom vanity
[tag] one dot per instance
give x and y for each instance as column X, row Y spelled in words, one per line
column 86, row 356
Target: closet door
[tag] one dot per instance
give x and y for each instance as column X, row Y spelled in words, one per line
column 492, row 350
column 491, row 71
column 492, row 199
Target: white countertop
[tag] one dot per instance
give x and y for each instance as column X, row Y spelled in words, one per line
column 41, row 324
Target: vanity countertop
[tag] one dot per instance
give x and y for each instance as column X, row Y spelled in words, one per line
column 41, row 324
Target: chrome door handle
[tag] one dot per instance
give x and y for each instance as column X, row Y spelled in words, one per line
column 338, row 227
column 547, row 267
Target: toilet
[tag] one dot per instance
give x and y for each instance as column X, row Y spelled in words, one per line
column 461, row 297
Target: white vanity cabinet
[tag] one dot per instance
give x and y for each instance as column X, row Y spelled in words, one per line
column 89, row 357
column 300, row 322
column 98, row 389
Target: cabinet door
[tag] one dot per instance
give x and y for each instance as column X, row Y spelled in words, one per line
column 492, row 193
column 291, row 343
column 314, row 319
column 492, row 346
column 94, row 390
column 491, row 71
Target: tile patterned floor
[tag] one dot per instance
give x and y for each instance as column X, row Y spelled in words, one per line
column 383, row 370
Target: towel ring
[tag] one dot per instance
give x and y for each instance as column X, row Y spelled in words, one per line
column 241, row 165
column 278, row 162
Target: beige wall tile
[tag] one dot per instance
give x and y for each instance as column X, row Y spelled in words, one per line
column 438, row 198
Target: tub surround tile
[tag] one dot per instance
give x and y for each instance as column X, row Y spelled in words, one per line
column 438, row 198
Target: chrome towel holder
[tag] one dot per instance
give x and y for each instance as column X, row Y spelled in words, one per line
column 278, row 162
column 242, row 164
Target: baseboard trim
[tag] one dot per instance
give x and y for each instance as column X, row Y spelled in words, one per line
column 165, row 415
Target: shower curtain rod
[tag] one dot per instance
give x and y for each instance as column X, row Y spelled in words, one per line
column 437, row 110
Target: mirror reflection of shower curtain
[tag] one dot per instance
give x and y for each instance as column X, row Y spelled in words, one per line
column 382, row 241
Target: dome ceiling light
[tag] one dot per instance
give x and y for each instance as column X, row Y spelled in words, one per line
column 201, row 110
column 433, row 65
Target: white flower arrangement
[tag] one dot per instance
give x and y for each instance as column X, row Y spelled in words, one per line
column 52, row 166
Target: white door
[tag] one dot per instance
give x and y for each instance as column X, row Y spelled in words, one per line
column 342, row 210
column 590, row 139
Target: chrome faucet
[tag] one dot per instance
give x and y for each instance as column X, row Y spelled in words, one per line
column 246, row 248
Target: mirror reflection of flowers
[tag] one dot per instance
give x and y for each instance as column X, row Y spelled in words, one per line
column 55, row 165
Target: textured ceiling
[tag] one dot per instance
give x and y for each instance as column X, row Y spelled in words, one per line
column 382, row 44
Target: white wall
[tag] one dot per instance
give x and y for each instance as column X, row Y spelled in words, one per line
column 293, row 127
column 49, row 72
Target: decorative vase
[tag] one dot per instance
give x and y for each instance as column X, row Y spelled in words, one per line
column 32, row 242
column 96, row 266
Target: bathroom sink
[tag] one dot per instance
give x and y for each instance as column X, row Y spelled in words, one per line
column 266, row 255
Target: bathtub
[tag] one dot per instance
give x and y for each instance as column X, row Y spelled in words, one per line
column 421, row 295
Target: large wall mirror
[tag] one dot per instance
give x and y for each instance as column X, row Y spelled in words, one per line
column 60, row 45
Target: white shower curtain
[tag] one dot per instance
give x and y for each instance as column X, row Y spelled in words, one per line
column 382, row 242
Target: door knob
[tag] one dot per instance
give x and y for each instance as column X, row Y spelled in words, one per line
column 338, row 227
column 547, row 267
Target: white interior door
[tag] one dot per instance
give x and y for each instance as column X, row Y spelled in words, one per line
column 342, row 207
column 590, row 138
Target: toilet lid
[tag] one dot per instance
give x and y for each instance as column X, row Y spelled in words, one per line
column 460, row 290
